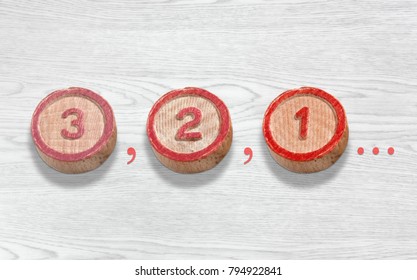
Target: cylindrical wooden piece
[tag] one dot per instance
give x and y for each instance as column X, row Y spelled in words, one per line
column 74, row 130
column 306, row 129
column 190, row 130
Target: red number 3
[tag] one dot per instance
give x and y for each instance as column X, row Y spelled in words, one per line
column 182, row 135
column 78, row 123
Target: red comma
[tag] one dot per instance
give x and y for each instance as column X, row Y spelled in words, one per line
column 131, row 152
column 248, row 151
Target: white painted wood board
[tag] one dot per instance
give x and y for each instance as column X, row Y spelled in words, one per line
column 247, row 53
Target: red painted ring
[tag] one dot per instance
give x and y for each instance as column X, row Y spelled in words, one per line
column 188, row 91
column 81, row 92
column 340, row 128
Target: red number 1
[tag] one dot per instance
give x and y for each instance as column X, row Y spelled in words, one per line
column 302, row 115
column 182, row 135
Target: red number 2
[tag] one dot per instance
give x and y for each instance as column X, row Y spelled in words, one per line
column 182, row 135
column 78, row 123
column 302, row 115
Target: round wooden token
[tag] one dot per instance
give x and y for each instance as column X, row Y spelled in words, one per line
column 74, row 130
column 190, row 130
column 306, row 129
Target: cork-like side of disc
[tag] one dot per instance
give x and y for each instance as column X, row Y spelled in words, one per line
column 306, row 130
column 84, row 165
column 208, row 131
column 317, row 164
column 200, row 165
column 74, row 130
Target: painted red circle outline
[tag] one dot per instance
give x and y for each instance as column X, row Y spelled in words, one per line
column 81, row 92
column 340, row 128
column 188, row 91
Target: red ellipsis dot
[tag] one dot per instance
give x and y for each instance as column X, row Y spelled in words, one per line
column 390, row 151
column 375, row 151
column 361, row 151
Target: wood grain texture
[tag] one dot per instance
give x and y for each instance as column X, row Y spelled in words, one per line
column 247, row 52
column 184, row 145
column 306, row 130
column 92, row 133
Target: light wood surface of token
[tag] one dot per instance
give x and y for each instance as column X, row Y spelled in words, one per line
column 306, row 130
column 189, row 130
column 74, row 130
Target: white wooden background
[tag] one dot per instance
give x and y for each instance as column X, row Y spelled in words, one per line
column 246, row 52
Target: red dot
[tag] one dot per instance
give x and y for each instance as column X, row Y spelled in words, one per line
column 361, row 151
column 391, row 151
column 375, row 150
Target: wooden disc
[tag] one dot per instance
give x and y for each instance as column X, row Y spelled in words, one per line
column 306, row 130
column 189, row 130
column 74, row 130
